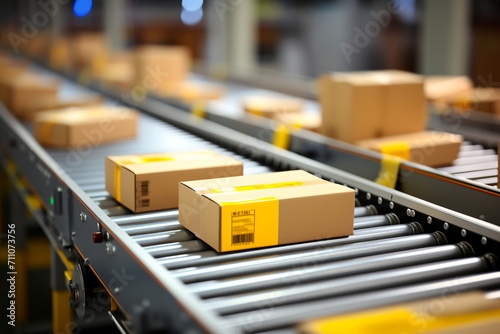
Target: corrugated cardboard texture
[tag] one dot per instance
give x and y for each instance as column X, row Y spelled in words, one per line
column 317, row 210
column 84, row 126
column 428, row 148
column 161, row 178
column 362, row 105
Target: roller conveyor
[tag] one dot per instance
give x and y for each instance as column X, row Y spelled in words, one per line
column 403, row 249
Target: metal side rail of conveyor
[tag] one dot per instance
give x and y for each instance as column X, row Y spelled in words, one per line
column 161, row 277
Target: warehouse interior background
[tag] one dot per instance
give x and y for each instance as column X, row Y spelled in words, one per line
column 282, row 46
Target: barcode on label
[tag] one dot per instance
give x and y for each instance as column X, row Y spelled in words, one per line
column 243, row 238
column 243, row 227
column 143, row 203
column 144, row 188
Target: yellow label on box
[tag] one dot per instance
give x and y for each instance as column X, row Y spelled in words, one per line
column 256, row 187
column 397, row 149
column 389, row 171
column 249, row 224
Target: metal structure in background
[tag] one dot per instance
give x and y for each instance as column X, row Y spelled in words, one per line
column 160, row 276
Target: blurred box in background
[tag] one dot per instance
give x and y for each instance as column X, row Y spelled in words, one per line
column 272, row 107
column 428, row 148
column 84, row 126
column 161, row 68
column 26, row 94
column 363, row 105
column 438, row 88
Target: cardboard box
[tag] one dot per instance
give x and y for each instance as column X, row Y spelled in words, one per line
column 363, row 105
column 150, row 182
column 86, row 46
column 27, row 94
column 272, row 107
column 265, row 210
column 161, row 68
column 485, row 99
column 84, row 126
column 428, row 148
column 442, row 87
column 465, row 313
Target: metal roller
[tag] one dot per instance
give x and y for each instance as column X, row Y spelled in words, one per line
column 147, row 217
column 375, row 221
column 175, row 248
column 163, row 237
column 283, row 316
column 136, row 229
column 376, row 233
column 368, row 210
column 304, row 274
column 355, row 283
column 310, row 257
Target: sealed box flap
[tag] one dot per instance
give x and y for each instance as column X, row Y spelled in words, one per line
column 175, row 161
column 383, row 77
column 282, row 185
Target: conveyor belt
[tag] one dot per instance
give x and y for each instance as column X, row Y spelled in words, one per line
column 403, row 249
column 382, row 254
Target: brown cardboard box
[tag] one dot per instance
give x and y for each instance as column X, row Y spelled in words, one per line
column 84, row 126
column 363, row 105
column 428, row 148
column 486, row 99
column 264, row 210
column 27, row 94
column 149, row 182
column 85, row 47
column 442, row 87
column 272, row 107
column 161, row 67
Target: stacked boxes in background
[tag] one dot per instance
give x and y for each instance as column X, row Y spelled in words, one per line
column 265, row 210
column 384, row 111
column 161, row 68
column 149, row 182
column 84, row 126
column 364, row 105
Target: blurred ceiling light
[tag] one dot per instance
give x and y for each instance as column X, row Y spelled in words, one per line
column 192, row 5
column 82, row 7
column 191, row 18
